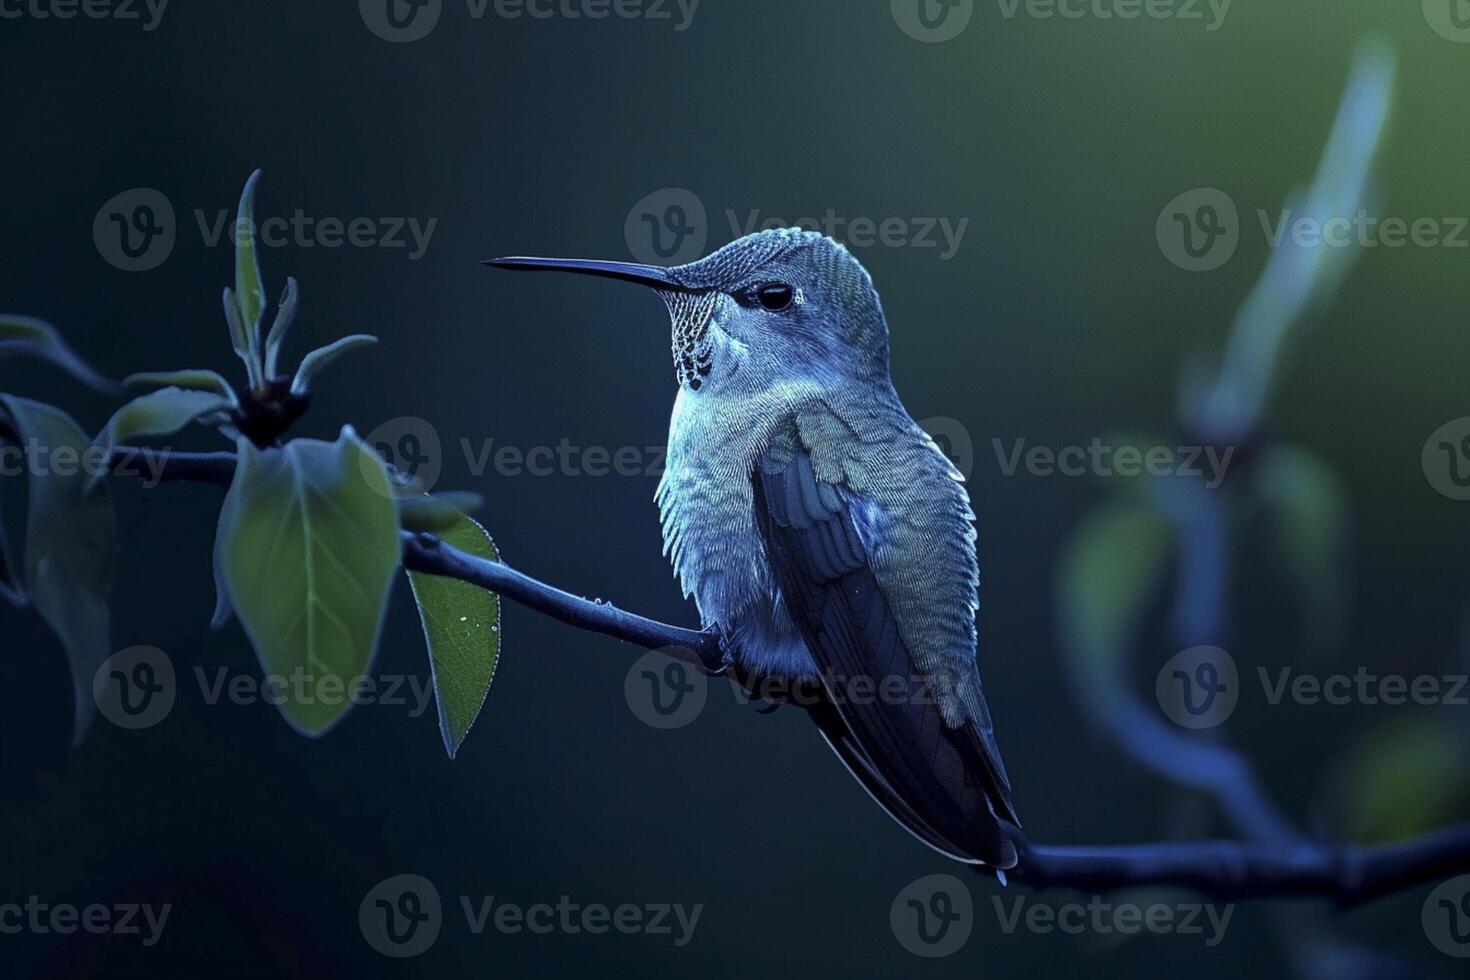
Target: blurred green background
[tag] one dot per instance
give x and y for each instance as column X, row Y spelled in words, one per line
column 1059, row 319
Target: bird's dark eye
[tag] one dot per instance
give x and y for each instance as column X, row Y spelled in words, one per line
column 775, row 296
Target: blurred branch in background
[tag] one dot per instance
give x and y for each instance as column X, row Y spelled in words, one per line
column 1118, row 563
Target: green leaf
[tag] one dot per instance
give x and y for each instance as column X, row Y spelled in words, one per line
column 160, row 414
column 285, row 318
column 190, row 380
column 249, row 289
column 27, row 335
column 317, row 360
column 462, row 629
column 308, row 546
column 1404, row 779
column 240, row 339
column 1109, row 574
column 437, row 512
column 70, row 542
column 1309, row 507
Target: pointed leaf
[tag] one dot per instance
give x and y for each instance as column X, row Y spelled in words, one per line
column 462, row 629
column 317, row 360
column 433, row 513
column 27, row 335
column 1309, row 508
column 308, row 547
column 160, row 414
column 249, row 290
column 240, row 339
column 285, row 318
column 223, row 610
column 69, row 544
column 190, row 380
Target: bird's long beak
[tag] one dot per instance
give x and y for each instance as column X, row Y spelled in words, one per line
column 647, row 275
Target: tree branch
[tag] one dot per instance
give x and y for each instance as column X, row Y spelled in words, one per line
column 1224, row 870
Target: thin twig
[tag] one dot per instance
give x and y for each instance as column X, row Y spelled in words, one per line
column 1225, row 870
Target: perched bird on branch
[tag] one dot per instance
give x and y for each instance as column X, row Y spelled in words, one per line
column 822, row 531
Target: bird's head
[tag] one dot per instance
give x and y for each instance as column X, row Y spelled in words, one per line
column 767, row 309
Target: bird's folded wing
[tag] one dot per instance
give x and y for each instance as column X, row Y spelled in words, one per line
column 884, row 719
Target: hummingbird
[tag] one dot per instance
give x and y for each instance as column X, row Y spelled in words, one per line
column 821, row 531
